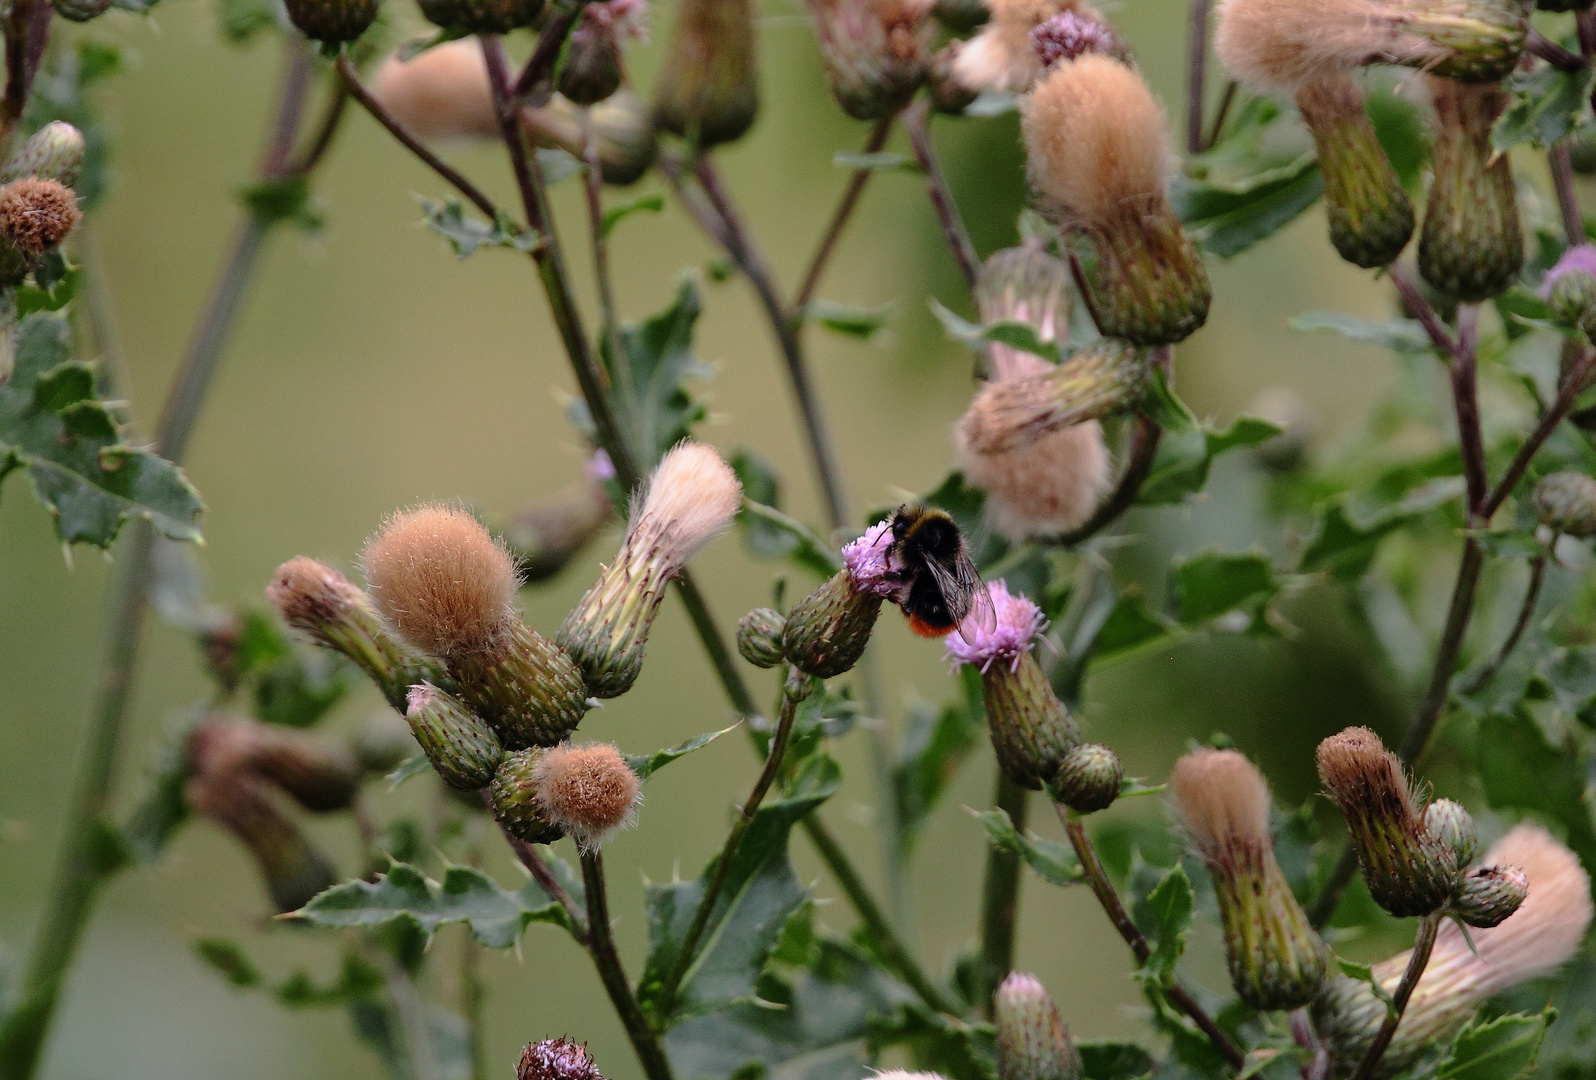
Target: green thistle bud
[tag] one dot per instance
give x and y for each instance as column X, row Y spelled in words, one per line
column 620, row 123
column 759, row 637
column 1572, row 298
column 1409, row 869
column 1088, row 778
column 1150, row 286
column 54, row 152
column 332, row 21
column 690, row 499
column 950, row 94
column 460, row 745
column 1482, row 39
column 1276, row 960
column 336, row 614
column 826, row 632
column 1032, row 1041
column 1453, row 826
column 81, row 10
column 481, row 16
column 528, row 688
column 876, row 52
column 708, row 88
column 1489, row 895
column 1104, row 378
column 590, row 69
column 1565, row 502
column 514, row 797
column 1472, row 246
column 1371, row 217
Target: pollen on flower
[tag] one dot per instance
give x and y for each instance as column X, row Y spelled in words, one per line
column 309, row 594
column 589, row 791
column 1222, row 800
column 557, row 1059
column 441, row 581
column 1068, row 35
column 442, row 93
column 1017, row 625
column 36, row 215
column 869, row 561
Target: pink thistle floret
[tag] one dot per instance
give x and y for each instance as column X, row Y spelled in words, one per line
column 1066, row 36
column 1018, row 624
column 599, row 466
column 869, row 561
column 1578, row 259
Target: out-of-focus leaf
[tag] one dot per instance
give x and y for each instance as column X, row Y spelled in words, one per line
column 1344, row 546
column 1547, row 105
column 1398, row 335
column 1501, row 1049
column 1129, row 626
column 651, row 203
column 49, row 293
column 659, row 359
column 52, row 425
column 1211, row 584
column 646, row 765
column 1054, row 862
column 1402, row 127
column 966, row 505
column 496, row 915
column 1170, row 905
column 769, row 533
column 164, row 806
column 300, row 688
column 411, row 767
column 823, row 715
column 1520, row 770
column 936, row 743
column 849, row 319
column 1018, row 335
column 467, row 233
column 1114, row 1060
column 284, row 201
column 1184, row 458
column 229, row 959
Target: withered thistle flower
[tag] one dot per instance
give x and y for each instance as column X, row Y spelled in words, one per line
column 36, row 215
column 545, row 536
column 556, row 1059
column 1104, row 378
column 1276, row 960
column 1565, row 502
column 1538, row 938
column 54, row 152
column 1002, row 58
column 445, row 586
column 1471, row 246
column 876, row 52
column 689, row 500
column 1409, row 869
column 1031, row 729
column 1032, row 1041
column 708, row 87
column 588, row 792
column 1068, row 35
column 335, row 613
column 591, row 68
column 1097, row 155
column 826, row 632
column 461, row 746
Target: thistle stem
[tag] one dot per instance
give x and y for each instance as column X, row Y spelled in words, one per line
column 1417, row 962
column 83, row 867
column 925, row 154
column 1196, row 75
column 1526, row 611
column 1538, row 44
column 1466, row 406
column 1000, row 898
column 745, row 817
column 533, row 82
column 1572, row 385
column 839, row 218
column 1103, row 889
column 601, row 944
column 1562, row 169
column 20, row 62
column 1226, row 100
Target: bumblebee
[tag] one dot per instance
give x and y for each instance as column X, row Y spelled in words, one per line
column 940, row 586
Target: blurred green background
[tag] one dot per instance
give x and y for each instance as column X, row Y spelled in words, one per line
column 371, row 369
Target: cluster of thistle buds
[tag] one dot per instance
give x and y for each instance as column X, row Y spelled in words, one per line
column 38, row 210
column 492, row 703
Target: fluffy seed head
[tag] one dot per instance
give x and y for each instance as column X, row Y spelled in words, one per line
column 556, row 1059
column 310, row 594
column 1281, row 44
column 1067, row 35
column 1048, row 487
column 691, row 499
column 589, row 791
column 1001, row 58
column 1222, row 800
column 1019, row 623
column 1095, row 141
column 36, row 215
column 442, row 93
column 442, row 583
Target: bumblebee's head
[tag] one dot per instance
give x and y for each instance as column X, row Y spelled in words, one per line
column 903, row 520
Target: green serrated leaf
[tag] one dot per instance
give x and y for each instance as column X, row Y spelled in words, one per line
column 49, row 294
column 1344, row 545
column 466, row 233
column 282, row 200
column 1184, row 459
column 1170, row 906
column 1130, row 626
column 849, row 319
column 937, row 741
column 1501, row 1049
column 660, row 362
column 1018, row 335
column 646, row 765
column 769, row 533
column 1053, row 861
column 91, row 480
column 228, row 957
column 1365, row 974
column 1548, row 103
column 651, row 203
column 1211, row 584
column 1398, row 335
column 496, row 915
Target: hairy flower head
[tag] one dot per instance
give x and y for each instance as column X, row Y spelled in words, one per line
column 588, row 791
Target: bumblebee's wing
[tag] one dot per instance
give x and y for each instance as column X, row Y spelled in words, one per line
column 963, row 591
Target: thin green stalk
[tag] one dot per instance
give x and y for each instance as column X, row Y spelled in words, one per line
column 601, row 944
column 1526, row 611
column 1422, row 946
column 87, row 857
column 1000, row 898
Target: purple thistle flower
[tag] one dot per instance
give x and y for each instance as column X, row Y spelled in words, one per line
column 1581, row 259
column 869, row 561
column 557, row 1059
column 1019, row 623
column 1067, row 35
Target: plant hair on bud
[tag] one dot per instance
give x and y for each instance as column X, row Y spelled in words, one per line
column 588, row 791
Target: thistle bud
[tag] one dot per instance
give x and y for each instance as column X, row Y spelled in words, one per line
column 547, row 535
column 81, row 10
column 442, row 93
column 620, row 124
column 36, row 215
column 1276, row 960
column 1371, row 217
column 54, row 152
column 335, row 613
column 320, row 777
column 1453, row 826
column 588, row 792
column 445, row 586
column 1565, row 502
column 383, row 742
column 827, row 631
column 1002, row 58
column 691, row 499
column 759, row 637
column 1408, row 868
column 1569, row 288
column 462, row 748
column 513, row 794
column 708, row 88
column 556, row 1059
column 1068, row 35
column 1032, row 1041
column 1097, row 156
column 949, row 94
column 1104, row 378
column 876, row 52
column 591, row 69
column 1489, row 895
column 332, row 22
column 1472, row 246
column 481, row 16
column 1089, row 778
column 1466, row 969
column 1031, row 729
